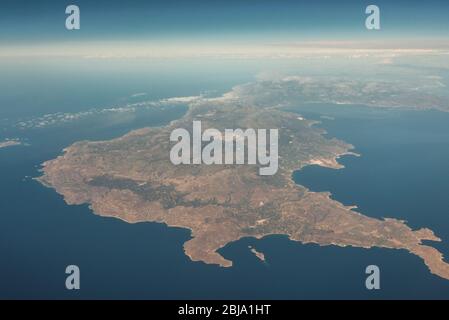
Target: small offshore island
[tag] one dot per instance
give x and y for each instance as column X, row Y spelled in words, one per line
column 259, row 255
column 10, row 143
column 131, row 178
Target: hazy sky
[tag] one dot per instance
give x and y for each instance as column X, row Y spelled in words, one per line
column 43, row 21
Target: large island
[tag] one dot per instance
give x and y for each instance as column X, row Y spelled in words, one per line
column 132, row 178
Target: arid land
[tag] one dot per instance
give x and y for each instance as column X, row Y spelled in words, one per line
column 132, row 178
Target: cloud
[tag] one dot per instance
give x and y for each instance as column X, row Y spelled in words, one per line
column 231, row 50
column 60, row 118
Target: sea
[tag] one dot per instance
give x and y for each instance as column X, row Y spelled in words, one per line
column 401, row 173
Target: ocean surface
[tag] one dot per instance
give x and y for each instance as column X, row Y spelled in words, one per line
column 402, row 173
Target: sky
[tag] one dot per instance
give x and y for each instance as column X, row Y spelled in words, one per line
column 41, row 23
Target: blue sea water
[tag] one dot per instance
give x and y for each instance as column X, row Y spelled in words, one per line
column 401, row 174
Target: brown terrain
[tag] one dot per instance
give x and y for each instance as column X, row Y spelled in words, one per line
column 132, row 178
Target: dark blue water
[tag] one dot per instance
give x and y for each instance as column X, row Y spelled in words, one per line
column 402, row 171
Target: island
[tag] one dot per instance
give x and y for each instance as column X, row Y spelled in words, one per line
column 131, row 178
column 259, row 255
column 10, row 143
